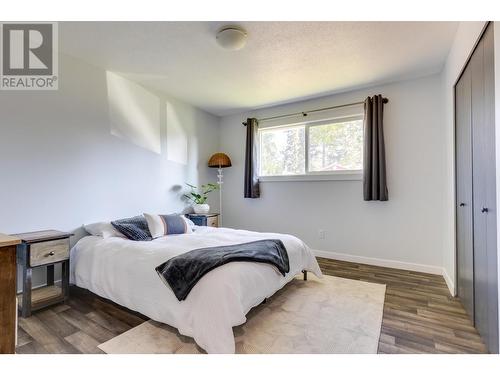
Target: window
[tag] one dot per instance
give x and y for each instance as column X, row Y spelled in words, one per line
column 331, row 147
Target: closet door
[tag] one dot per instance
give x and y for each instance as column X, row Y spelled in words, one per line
column 476, row 227
column 490, row 191
column 484, row 195
column 478, row 175
column 463, row 158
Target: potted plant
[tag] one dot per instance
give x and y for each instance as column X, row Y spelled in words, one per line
column 199, row 196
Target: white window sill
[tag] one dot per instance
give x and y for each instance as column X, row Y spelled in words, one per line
column 344, row 176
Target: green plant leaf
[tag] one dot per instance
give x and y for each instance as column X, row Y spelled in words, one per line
column 199, row 195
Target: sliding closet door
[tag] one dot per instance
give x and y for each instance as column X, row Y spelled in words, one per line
column 463, row 157
column 478, row 175
column 490, row 193
column 484, row 194
column 477, row 274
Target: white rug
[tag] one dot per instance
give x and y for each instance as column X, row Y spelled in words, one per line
column 329, row 315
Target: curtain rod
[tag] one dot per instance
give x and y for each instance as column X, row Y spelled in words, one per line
column 305, row 113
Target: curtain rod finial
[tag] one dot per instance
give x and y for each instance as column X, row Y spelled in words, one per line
column 385, row 100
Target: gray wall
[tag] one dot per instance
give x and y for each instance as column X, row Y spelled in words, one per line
column 61, row 167
column 406, row 231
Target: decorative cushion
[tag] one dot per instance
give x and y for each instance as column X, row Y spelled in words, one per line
column 103, row 229
column 164, row 225
column 134, row 228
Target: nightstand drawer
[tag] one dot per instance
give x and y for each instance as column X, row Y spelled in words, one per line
column 209, row 220
column 213, row 221
column 49, row 252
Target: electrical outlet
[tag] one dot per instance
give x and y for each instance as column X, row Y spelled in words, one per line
column 322, row 234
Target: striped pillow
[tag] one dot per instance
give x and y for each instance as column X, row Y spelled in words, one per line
column 165, row 225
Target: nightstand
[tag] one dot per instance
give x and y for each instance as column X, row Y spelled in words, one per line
column 43, row 249
column 207, row 220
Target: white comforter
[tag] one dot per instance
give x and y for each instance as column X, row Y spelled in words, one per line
column 124, row 272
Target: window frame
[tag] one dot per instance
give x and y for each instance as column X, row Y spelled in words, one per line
column 355, row 174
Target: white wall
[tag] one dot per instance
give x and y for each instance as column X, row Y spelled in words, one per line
column 61, row 167
column 408, row 228
column 465, row 39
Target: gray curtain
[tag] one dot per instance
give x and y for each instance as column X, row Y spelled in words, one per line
column 252, row 189
column 374, row 173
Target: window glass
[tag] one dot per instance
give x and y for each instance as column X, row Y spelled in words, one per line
column 336, row 147
column 282, row 151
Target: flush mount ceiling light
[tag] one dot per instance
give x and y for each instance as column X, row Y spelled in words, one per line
column 231, row 37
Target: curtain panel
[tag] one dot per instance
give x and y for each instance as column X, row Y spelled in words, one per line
column 374, row 170
column 252, row 188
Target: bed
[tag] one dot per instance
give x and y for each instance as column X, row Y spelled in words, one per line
column 124, row 272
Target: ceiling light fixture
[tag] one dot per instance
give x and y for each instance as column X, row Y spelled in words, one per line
column 231, row 37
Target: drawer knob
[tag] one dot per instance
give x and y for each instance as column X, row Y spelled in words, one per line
column 484, row 210
column 51, row 254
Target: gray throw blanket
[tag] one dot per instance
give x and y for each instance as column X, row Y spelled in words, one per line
column 184, row 271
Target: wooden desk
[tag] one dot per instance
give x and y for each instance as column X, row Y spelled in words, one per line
column 8, row 311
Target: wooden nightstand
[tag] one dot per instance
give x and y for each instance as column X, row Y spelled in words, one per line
column 207, row 220
column 43, row 249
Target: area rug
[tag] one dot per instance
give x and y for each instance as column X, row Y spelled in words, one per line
column 328, row 315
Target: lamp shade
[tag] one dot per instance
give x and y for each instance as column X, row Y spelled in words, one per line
column 219, row 160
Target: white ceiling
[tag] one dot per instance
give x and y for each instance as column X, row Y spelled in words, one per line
column 282, row 61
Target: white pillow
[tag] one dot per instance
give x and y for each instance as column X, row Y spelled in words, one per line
column 158, row 226
column 190, row 222
column 104, row 229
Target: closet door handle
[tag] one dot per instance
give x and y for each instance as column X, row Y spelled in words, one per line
column 484, row 210
column 462, row 205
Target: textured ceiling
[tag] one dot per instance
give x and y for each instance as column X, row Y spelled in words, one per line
column 282, row 61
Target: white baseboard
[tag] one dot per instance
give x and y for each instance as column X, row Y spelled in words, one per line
column 435, row 270
column 380, row 262
column 449, row 283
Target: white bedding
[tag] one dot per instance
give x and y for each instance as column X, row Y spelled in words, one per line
column 124, row 272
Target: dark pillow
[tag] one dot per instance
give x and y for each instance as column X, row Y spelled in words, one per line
column 134, row 228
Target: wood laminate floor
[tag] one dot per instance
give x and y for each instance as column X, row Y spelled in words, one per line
column 420, row 316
